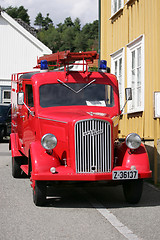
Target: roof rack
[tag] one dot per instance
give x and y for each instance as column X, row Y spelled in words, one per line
column 66, row 57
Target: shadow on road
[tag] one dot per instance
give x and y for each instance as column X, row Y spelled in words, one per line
column 5, row 140
column 108, row 197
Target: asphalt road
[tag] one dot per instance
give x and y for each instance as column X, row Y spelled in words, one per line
column 74, row 212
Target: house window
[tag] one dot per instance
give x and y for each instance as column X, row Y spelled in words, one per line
column 117, row 68
column 6, row 96
column 116, row 5
column 135, row 74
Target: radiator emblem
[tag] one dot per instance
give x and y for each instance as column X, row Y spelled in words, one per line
column 93, row 132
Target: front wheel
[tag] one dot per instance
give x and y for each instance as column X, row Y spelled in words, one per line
column 39, row 193
column 132, row 190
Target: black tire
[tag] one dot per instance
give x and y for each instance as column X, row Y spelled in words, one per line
column 132, row 190
column 16, row 170
column 39, row 193
column 1, row 134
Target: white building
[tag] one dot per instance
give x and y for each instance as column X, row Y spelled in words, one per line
column 19, row 50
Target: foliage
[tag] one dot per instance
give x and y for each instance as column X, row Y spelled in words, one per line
column 68, row 35
column 39, row 20
column 51, row 38
column 43, row 22
column 20, row 12
column 93, row 69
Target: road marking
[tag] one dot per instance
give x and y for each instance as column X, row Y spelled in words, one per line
column 112, row 219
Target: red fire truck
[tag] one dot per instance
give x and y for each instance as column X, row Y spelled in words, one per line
column 65, row 128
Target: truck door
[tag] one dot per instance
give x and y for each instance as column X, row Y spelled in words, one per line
column 27, row 120
column 20, row 116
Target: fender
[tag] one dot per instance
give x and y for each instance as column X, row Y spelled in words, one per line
column 138, row 158
column 41, row 161
column 14, row 145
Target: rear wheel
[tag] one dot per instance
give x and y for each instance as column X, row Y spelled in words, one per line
column 133, row 190
column 16, row 170
column 39, row 193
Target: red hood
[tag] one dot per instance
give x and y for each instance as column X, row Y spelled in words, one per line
column 65, row 114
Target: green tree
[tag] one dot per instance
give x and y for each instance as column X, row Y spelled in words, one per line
column 77, row 24
column 47, row 22
column 80, row 42
column 50, row 37
column 20, row 12
column 90, row 31
column 39, row 20
column 60, row 27
column 69, row 36
column 43, row 22
column 68, row 22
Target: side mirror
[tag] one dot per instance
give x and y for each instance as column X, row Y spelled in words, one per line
column 20, row 99
column 128, row 92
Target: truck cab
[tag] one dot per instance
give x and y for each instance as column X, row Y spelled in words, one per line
column 65, row 128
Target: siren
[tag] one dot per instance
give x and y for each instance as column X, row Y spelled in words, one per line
column 103, row 66
column 44, row 65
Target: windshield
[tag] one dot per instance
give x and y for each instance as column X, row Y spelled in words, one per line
column 76, row 94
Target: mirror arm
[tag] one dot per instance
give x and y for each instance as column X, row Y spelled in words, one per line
column 32, row 114
column 128, row 92
column 123, row 106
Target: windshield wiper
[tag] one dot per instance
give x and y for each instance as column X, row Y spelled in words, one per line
column 65, row 85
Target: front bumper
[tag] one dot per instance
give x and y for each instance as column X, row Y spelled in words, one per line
column 67, row 174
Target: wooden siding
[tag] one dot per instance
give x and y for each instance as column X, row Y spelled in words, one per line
column 19, row 49
column 138, row 17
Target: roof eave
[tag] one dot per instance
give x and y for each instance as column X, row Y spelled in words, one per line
column 27, row 34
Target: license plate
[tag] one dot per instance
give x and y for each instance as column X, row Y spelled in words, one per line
column 125, row 174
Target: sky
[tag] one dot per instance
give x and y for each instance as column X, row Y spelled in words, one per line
column 85, row 10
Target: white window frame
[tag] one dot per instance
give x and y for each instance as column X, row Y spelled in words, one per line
column 115, row 57
column 134, row 105
column 5, row 100
column 115, row 6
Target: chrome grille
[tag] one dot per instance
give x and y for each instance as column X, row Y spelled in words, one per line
column 93, row 146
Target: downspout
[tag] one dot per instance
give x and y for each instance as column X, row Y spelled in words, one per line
column 99, row 33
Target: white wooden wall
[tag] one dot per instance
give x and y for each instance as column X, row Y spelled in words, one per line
column 18, row 49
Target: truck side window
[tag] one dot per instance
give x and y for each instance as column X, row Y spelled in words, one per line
column 29, row 95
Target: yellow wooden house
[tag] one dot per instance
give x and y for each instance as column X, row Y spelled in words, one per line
column 130, row 42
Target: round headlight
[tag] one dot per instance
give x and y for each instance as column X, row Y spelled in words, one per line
column 133, row 141
column 49, row 141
